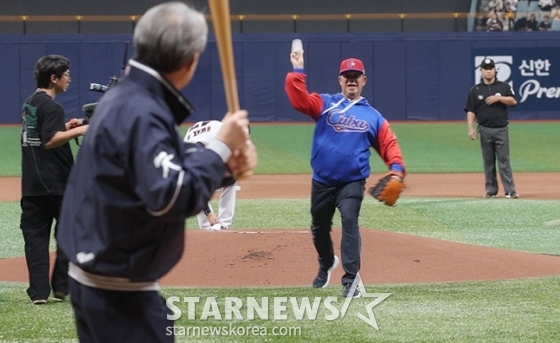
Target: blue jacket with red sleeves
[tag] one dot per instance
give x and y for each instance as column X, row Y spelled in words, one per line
column 345, row 130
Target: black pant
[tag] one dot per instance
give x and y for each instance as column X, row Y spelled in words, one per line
column 104, row 316
column 494, row 143
column 348, row 199
column 38, row 213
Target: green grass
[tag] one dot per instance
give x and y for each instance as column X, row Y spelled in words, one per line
column 445, row 147
column 10, row 154
column 499, row 311
column 11, row 244
column 427, row 148
column 497, row 223
column 283, row 149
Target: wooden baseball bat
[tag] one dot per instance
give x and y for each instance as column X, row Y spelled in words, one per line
column 222, row 29
column 219, row 9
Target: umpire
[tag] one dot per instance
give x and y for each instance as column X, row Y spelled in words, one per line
column 488, row 102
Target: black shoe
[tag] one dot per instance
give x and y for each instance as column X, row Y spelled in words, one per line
column 512, row 195
column 59, row 296
column 489, row 195
column 39, row 302
column 346, row 291
column 323, row 277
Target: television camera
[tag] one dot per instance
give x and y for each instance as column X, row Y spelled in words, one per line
column 96, row 87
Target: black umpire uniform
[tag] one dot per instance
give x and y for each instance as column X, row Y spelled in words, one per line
column 493, row 122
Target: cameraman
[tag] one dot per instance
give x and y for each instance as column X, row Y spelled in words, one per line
column 46, row 163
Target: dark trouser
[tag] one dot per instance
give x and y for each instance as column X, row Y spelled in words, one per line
column 348, row 199
column 38, row 213
column 104, row 316
column 495, row 145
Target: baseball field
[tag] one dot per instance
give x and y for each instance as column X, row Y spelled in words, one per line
column 444, row 265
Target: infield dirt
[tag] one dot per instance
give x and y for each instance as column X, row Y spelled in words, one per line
column 256, row 257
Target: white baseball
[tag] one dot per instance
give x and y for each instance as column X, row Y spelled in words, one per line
column 216, row 227
column 297, row 45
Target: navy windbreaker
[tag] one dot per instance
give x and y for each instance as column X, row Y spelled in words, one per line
column 135, row 181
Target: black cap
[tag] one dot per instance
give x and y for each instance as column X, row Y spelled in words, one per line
column 488, row 62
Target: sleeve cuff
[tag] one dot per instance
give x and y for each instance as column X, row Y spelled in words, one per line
column 220, row 148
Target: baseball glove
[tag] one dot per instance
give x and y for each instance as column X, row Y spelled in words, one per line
column 388, row 188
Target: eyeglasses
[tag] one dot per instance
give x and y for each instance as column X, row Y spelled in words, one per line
column 67, row 76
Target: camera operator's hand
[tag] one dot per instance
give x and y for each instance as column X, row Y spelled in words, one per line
column 74, row 123
column 63, row 137
column 82, row 129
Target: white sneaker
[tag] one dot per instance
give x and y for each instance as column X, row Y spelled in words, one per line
column 218, row 227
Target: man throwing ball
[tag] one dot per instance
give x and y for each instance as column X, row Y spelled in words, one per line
column 346, row 128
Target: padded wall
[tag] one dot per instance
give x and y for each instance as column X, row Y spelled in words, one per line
column 410, row 76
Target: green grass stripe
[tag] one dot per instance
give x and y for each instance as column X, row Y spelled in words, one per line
column 516, row 224
column 427, row 148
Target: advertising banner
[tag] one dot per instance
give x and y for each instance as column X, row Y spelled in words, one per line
column 533, row 73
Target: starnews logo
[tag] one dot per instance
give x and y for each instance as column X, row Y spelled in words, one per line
column 276, row 308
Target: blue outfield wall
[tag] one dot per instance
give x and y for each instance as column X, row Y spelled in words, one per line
column 410, row 76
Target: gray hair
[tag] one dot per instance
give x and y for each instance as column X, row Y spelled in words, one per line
column 168, row 35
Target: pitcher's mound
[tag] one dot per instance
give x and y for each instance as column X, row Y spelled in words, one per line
column 287, row 257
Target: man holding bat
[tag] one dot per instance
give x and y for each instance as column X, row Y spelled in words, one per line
column 135, row 182
column 346, row 128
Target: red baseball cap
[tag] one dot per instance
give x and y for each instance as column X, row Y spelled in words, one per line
column 352, row 64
